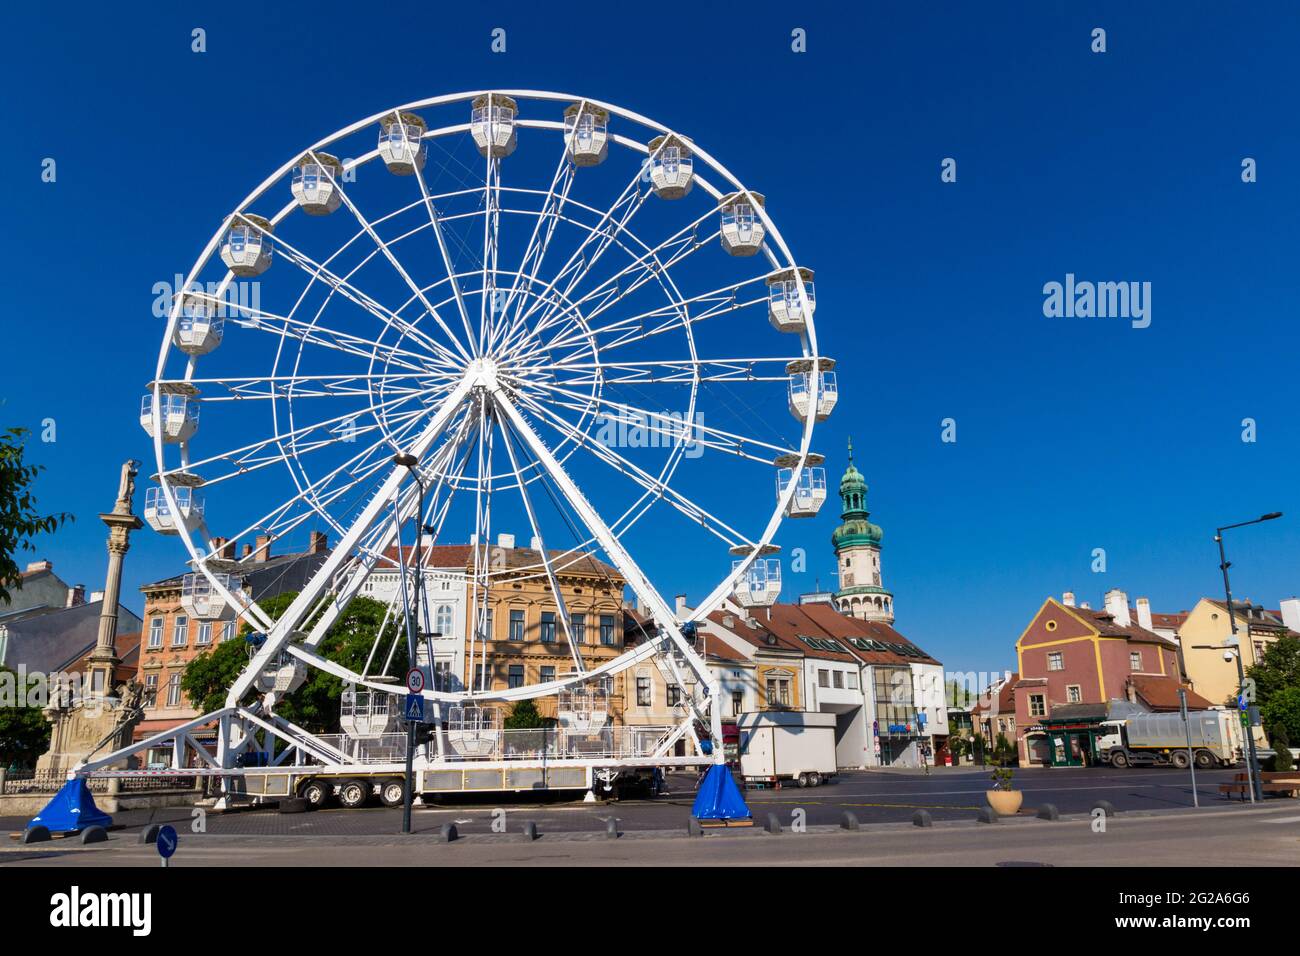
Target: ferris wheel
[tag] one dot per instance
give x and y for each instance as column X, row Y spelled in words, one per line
column 490, row 310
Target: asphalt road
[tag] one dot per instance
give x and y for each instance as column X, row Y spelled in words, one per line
column 874, row 797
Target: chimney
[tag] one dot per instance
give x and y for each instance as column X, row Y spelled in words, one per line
column 1291, row 613
column 1068, row 599
column 42, row 565
column 1117, row 607
column 223, row 548
column 318, row 542
column 679, row 605
column 261, row 548
column 506, row 541
column 1144, row 613
column 247, row 550
column 1085, row 606
column 76, row 595
column 535, row 543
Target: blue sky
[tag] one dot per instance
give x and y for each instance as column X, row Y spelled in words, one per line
column 1073, row 434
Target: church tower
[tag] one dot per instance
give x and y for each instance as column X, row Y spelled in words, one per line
column 857, row 554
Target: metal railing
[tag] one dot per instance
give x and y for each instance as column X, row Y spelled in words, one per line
column 548, row 743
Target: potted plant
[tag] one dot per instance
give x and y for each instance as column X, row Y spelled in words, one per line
column 1002, row 798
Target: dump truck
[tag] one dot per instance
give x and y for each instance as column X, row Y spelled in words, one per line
column 781, row 745
column 1161, row 740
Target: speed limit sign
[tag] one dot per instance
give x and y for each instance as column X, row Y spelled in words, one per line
column 415, row 680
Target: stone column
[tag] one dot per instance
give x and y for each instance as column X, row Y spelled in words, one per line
column 121, row 522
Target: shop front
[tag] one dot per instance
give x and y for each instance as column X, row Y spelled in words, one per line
column 1070, row 739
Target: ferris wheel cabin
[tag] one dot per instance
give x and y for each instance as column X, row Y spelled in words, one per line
column 759, row 586
column 784, row 308
column 158, row 513
column 401, row 143
column 801, row 382
column 198, row 327
column 742, row 227
column 586, row 133
column 177, row 415
column 203, row 601
column 364, row 712
column 246, row 247
column 315, row 184
column 671, row 167
column 809, row 490
column 492, row 125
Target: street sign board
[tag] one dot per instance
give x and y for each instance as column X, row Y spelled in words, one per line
column 415, row 680
column 414, row 708
column 167, row 841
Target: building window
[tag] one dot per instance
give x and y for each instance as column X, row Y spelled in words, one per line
column 486, row 633
column 155, row 633
column 674, row 695
column 180, row 630
column 579, row 624
column 150, row 690
column 607, row 630
column 174, row 690
column 228, row 630
column 444, row 621
column 548, row 627
column 516, row 625
column 205, row 632
column 442, row 675
column 547, row 673
column 1135, row 660
column 481, row 681
column 643, row 692
column 823, row 678
column 516, row 676
column 1056, row 661
column 1074, row 694
column 778, row 692
column 1011, row 724
column 737, row 703
column 1037, row 705
column 837, row 679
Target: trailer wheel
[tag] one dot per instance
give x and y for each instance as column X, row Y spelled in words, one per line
column 392, row 793
column 317, row 792
column 802, row 779
column 1204, row 760
column 814, row 779
column 1179, row 759
column 1119, row 759
column 354, row 793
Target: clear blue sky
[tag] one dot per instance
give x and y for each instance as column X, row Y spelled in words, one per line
column 1073, row 434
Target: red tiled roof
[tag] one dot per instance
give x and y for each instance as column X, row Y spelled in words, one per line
column 1105, row 624
column 790, row 625
column 1161, row 693
column 1006, row 701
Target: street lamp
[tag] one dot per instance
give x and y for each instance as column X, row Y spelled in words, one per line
column 1252, row 763
column 409, row 462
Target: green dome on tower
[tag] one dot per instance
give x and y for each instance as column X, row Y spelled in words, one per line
column 855, row 529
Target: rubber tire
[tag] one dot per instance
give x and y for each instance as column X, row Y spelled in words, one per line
column 1204, row 760
column 802, row 780
column 1179, row 759
column 354, row 793
column 386, row 798
column 814, row 779
column 1119, row 759
column 317, row 793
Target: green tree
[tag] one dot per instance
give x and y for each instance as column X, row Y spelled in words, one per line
column 1277, row 670
column 1281, row 742
column 1282, row 712
column 24, row 731
column 19, row 519
column 315, row 705
column 524, row 716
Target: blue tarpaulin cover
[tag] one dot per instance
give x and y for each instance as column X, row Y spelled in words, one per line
column 719, row 797
column 72, row 809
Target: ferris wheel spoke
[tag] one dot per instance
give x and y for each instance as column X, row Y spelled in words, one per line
column 394, row 262
column 679, row 371
column 491, row 240
column 436, row 225
column 657, row 488
column 242, row 388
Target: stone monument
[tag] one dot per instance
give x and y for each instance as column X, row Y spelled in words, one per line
column 99, row 719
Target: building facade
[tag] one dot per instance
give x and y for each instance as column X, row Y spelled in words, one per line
column 857, row 542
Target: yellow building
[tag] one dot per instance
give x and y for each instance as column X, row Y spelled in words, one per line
column 1205, row 631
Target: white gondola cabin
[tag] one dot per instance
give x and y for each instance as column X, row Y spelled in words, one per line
column 199, row 326
column 801, row 383
column 784, row 307
column 367, row 713
column 177, row 413
column 586, row 133
column 246, row 247
column 492, row 124
column 473, row 731
column 671, row 167
column 203, row 601
column 760, row 585
column 159, row 515
column 742, row 227
column 809, row 490
column 283, row 674
column 315, row 184
column 401, row 143
column 583, row 709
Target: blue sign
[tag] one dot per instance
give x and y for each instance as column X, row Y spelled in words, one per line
column 167, row 841
column 1242, row 703
column 921, row 719
column 414, row 709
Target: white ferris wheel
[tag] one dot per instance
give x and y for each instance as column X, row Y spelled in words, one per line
column 514, row 310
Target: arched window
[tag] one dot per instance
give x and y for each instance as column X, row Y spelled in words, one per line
column 443, row 621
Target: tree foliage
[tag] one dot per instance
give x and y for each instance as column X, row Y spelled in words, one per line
column 24, row 731
column 19, row 519
column 315, row 705
column 1282, row 713
column 1277, row 670
column 524, row 716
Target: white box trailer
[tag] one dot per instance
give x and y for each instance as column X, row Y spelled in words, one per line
column 1161, row 739
column 787, row 745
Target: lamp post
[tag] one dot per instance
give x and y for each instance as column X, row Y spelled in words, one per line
column 409, row 462
column 1252, row 763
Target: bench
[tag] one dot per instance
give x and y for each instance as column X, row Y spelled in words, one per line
column 1270, row 781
